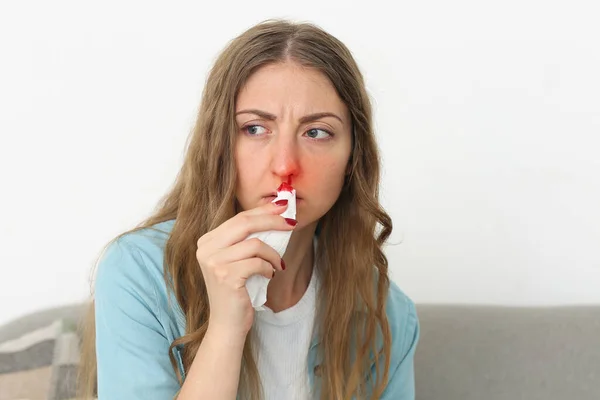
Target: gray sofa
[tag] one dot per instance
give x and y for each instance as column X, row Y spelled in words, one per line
column 475, row 352
column 506, row 353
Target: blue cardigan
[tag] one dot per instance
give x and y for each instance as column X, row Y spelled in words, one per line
column 136, row 324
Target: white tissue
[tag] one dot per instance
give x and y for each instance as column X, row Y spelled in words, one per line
column 257, row 284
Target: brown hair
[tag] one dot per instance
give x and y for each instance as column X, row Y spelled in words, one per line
column 354, row 271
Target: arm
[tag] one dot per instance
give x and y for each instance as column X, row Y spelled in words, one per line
column 132, row 348
column 216, row 376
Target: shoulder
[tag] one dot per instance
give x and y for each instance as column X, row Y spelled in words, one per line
column 133, row 264
column 404, row 328
column 403, row 321
column 400, row 308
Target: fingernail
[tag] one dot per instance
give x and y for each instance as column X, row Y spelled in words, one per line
column 273, row 276
column 281, row 202
column 291, row 221
column 282, row 264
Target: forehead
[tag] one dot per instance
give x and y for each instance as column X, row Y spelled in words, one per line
column 274, row 87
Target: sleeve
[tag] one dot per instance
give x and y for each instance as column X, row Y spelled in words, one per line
column 401, row 384
column 132, row 350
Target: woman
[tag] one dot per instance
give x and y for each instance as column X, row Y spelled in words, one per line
column 172, row 315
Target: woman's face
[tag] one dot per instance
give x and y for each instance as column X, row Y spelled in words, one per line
column 291, row 122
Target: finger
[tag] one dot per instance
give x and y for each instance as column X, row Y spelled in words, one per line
column 251, row 248
column 239, row 227
column 269, row 208
column 248, row 267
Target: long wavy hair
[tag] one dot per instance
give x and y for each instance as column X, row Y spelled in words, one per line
column 351, row 309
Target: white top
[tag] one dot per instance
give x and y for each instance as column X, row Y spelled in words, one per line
column 282, row 341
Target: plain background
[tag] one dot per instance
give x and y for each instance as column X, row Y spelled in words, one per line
column 487, row 114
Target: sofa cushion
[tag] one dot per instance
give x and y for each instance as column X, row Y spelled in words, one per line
column 41, row 363
column 39, row 319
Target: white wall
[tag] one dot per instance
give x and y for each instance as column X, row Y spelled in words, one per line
column 488, row 117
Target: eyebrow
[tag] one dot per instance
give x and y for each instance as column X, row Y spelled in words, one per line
column 303, row 120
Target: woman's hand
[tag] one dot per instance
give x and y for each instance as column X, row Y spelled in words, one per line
column 227, row 260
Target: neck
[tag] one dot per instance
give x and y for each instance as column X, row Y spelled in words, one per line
column 287, row 287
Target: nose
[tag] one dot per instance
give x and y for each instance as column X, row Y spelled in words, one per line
column 285, row 161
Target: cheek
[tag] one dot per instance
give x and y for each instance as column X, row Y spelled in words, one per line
column 325, row 174
column 246, row 170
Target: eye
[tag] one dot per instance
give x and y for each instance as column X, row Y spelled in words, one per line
column 254, row 130
column 314, row 133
